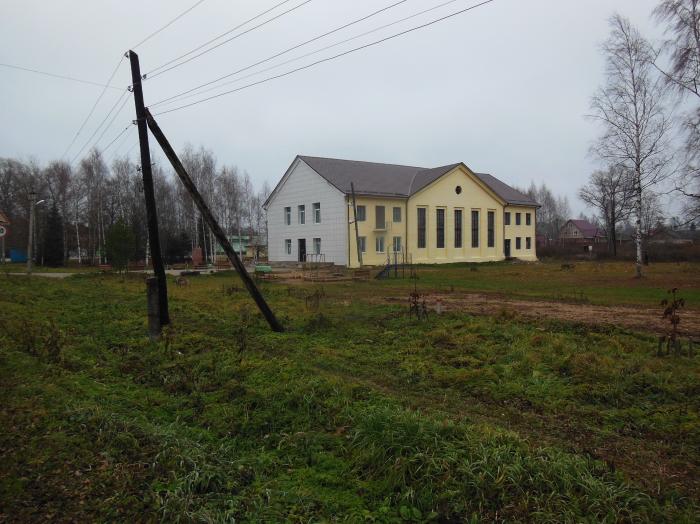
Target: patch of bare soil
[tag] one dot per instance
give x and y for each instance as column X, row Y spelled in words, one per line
column 633, row 318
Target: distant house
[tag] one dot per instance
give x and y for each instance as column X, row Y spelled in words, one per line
column 665, row 235
column 431, row 215
column 581, row 232
column 246, row 246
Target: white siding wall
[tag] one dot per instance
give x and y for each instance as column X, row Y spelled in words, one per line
column 304, row 187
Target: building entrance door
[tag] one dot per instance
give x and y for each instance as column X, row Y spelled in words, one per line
column 507, row 248
column 302, row 250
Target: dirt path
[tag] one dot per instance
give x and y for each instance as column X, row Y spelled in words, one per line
column 637, row 318
column 46, row 275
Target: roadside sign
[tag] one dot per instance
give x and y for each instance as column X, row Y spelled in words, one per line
column 3, row 231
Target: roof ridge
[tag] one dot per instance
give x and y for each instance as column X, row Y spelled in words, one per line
column 362, row 161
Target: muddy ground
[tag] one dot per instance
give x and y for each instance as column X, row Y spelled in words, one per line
column 635, row 318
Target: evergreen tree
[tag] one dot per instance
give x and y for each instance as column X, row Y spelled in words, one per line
column 53, row 239
column 120, row 245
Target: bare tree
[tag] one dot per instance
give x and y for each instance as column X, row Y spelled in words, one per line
column 553, row 212
column 631, row 108
column 682, row 49
column 609, row 193
column 652, row 214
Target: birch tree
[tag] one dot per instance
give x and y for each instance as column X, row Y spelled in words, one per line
column 631, row 108
column 682, row 74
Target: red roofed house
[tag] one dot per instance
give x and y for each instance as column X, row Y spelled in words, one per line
column 581, row 232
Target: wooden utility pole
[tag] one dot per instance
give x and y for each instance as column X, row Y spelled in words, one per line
column 212, row 223
column 149, row 194
column 357, row 231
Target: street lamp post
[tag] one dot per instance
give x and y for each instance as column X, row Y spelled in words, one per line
column 30, row 241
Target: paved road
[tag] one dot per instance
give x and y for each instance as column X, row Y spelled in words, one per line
column 175, row 272
column 48, row 275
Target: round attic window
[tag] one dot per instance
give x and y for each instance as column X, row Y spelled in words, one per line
column 458, row 190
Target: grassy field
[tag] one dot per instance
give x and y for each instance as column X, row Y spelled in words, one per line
column 356, row 413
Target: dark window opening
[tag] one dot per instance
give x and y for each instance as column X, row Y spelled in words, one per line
column 440, row 223
column 458, row 228
column 475, row 229
column 421, row 227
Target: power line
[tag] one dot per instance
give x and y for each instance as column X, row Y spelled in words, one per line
column 63, row 77
column 92, row 110
column 297, row 46
column 116, row 138
column 328, row 59
column 295, row 59
column 118, row 147
column 234, row 37
column 216, row 38
column 97, row 129
column 154, row 33
column 121, row 108
column 131, row 148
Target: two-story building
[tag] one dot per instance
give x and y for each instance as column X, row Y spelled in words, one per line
column 429, row 215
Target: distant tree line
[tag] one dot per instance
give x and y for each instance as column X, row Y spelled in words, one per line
column 82, row 203
column 645, row 84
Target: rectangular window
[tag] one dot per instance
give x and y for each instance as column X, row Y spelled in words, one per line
column 317, row 213
column 302, row 214
column 528, row 243
column 422, row 212
column 506, row 218
column 517, row 242
column 517, row 219
column 288, row 216
column 379, row 244
column 288, row 246
column 396, row 245
column 528, row 219
column 317, row 246
column 361, row 213
column 458, row 228
column 397, row 214
column 491, row 221
column 440, row 227
column 475, row 228
column 379, row 218
column 363, row 244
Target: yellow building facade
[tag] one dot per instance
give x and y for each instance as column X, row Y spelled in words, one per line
column 456, row 218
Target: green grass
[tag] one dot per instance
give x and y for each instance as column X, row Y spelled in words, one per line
column 604, row 283
column 356, row 413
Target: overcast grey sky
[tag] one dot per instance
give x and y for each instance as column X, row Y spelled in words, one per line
column 504, row 88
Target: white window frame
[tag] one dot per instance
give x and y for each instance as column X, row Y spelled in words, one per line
column 288, row 246
column 317, row 212
column 301, row 214
column 396, row 248
column 288, row 216
column 363, row 244
column 394, row 214
column 379, row 239
column 317, row 245
column 361, row 213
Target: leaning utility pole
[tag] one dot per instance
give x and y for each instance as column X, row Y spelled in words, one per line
column 212, row 223
column 151, row 215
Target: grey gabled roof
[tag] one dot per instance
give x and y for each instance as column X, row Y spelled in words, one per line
column 371, row 178
column 507, row 193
